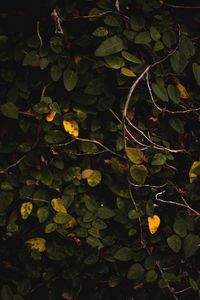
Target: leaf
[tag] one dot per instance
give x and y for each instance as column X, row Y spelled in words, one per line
column 179, row 226
column 124, row 254
column 54, row 136
column 183, row 92
column 51, row 227
column 58, row 205
column 194, row 170
column 191, row 244
column 177, row 125
column 135, row 271
column 10, row 110
column 127, row 72
column 50, row 116
column 196, row 72
column 110, row 46
column 151, row 276
column 37, row 244
column 114, row 62
column 143, row 38
column 105, row 213
column 62, row 218
column 135, row 155
column 6, row 198
column 174, row 242
column 6, row 293
column 139, row 173
column 130, row 57
column 155, row 34
column 86, row 173
column 160, row 91
column 159, row 159
column 26, row 209
column 94, row 179
column 71, row 127
column 70, row 79
column 100, row 32
column 42, row 214
column 55, row 72
column 173, row 93
column 178, row 62
column 153, row 223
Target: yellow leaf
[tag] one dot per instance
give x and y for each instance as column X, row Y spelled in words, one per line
column 71, row 127
column 50, row 116
column 86, row 173
column 58, row 205
column 153, row 223
column 26, row 209
column 192, row 174
column 127, row 72
column 38, row 244
column 182, row 90
column 72, row 223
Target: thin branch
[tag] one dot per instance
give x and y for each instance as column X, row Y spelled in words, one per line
column 149, row 185
column 99, row 15
column 164, row 109
column 12, row 165
column 155, row 145
column 185, row 204
column 57, row 21
column 39, row 35
column 184, row 290
column 181, row 6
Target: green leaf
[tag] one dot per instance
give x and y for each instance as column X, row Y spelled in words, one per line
column 110, row 46
column 174, row 242
column 155, row 34
column 32, row 59
column 193, row 284
column 177, row 125
column 134, row 214
column 139, row 173
column 105, row 213
column 179, row 226
column 196, row 72
column 6, row 198
column 143, row 38
column 173, row 93
column 70, row 79
column 135, row 155
column 55, row 136
column 10, row 110
column 136, row 271
column 42, row 214
column 114, row 62
column 94, row 179
column 186, row 47
column 191, row 244
column 130, row 57
column 149, row 208
column 62, row 218
column 159, row 159
column 151, row 276
column 6, row 293
column 100, row 32
column 178, row 62
column 124, row 254
column 55, row 72
column 51, row 227
column 160, row 91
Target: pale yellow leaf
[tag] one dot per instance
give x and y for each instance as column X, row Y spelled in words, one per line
column 127, row 72
column 192, row 173
column 58, row 205
column 71, row 127
column 38, row 244
column 182, row 90
column 26, row 209
column 50, row 116
column 86, row 173
column 153, row 223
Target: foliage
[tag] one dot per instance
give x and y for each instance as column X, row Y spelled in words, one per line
column 100, row 164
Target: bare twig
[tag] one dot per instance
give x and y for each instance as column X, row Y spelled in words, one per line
column 149, row 185
column 117, row 5
column 38, row 34
column 57, row 21
column 12, row 165
column 183, row 291
column 164, row 109
column 181, row 6
column 99, row 15
column 185, row 204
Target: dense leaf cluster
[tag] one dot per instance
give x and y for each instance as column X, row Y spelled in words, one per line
column 99, row 111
